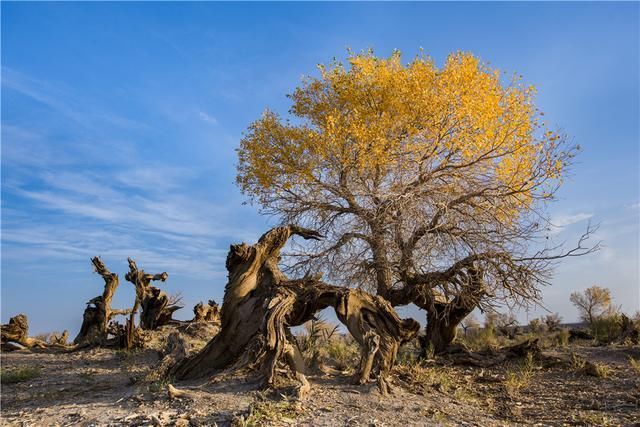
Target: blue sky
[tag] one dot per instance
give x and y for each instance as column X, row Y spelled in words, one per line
column 120, row 121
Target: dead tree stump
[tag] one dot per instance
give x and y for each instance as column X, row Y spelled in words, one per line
column 156, row 310
column 209, row 312
column 98, row 314
column 17, row 331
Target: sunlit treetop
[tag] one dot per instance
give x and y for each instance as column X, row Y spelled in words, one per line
column 390, row 124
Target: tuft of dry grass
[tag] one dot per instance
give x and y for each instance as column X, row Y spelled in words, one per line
column 585, row 367
column 635, row 364
column 520, row 377
column 19, row 374
column 269, row 412
column 594, row 419
column 421, row 378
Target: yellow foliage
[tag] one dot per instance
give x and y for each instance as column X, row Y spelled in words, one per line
column 381, row 119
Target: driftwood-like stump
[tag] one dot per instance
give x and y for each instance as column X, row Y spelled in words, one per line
column 154, row 302
column 209, row 312
column 17, row 331
column 260, row 305
column 98, row 314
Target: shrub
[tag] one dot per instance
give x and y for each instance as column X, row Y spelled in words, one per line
column 552, row 322
column 606, row 328
column 535, row 325
column 342, row 353
column 562, row 337
column 482, row 338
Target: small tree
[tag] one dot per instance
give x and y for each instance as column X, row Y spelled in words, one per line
column 592, row 303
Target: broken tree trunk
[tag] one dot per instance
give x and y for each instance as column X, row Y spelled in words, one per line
column 96, row 317
column 460, row 355
column 260, row 305
column 17, row 331
column 209, row 312
column 156, row 310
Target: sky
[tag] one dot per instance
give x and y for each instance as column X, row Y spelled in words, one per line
column 120, row 123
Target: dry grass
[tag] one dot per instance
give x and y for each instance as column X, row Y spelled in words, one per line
column 19, row 374
column 269, row 412
column 594, row 369
column 594, row 419
column 422, row 378
column 635, row 364
column 520, row 377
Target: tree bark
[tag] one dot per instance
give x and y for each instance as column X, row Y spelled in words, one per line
column 96, row 317
column 444, row 316
column 441, row 330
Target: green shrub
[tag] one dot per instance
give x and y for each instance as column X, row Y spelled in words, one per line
column 606, row 328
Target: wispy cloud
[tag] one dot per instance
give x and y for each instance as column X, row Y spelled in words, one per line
column 77, row 191
column 207, row 118
column 61, row 99
column 560, row 221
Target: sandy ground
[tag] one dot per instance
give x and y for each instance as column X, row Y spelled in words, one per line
column 104, row 387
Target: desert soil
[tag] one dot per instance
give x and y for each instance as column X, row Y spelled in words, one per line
column 103, row 387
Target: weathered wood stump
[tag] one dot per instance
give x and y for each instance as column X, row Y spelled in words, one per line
column 209, row 312
column 156, row 310
column 98, row 314
column 17, row 331
column 60, row 340
column 260, row 305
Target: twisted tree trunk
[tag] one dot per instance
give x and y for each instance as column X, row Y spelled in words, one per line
column 260, row 305
column 96, row 317
column 252, row 271
column 444, row 314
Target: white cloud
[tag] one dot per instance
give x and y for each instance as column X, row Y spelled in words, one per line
column 560, row 221
column 207, row 118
